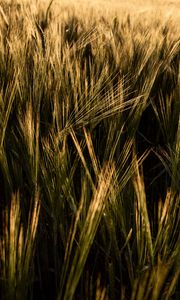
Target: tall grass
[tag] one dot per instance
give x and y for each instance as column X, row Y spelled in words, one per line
column 89, row 154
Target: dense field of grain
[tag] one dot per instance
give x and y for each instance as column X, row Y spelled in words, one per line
column 89, row 150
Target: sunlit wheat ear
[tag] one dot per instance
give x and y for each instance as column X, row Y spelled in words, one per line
column 101, row 105
column 105, row 35
column 11, row 244
column 17, row 245
column 143, row 230
column 6, row 104
column 101, row 292
column 4, row 16
column 93, row 218
column 33, row 219
column 27, row 127
column 152, row 282
column 87, row 38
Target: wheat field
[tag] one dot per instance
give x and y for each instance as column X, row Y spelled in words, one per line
column 89, row 150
